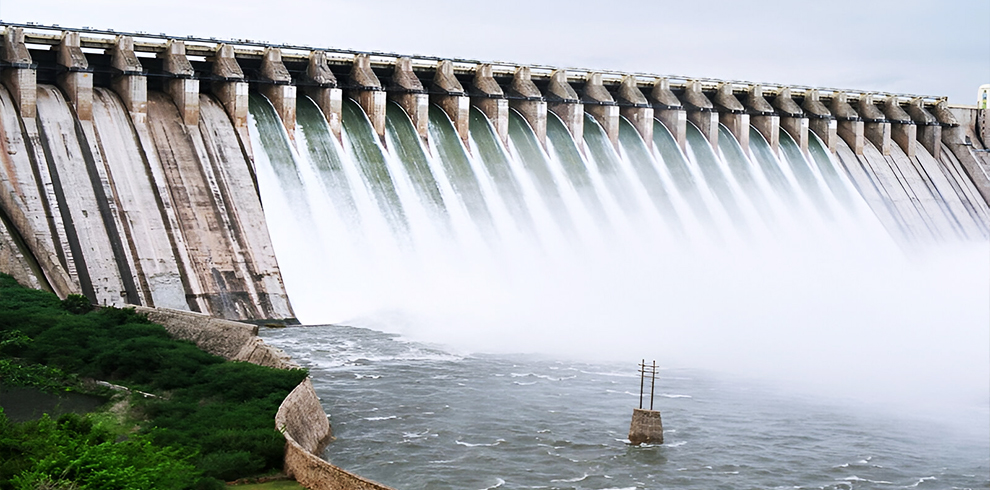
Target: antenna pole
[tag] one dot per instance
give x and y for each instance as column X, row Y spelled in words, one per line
column 653, row 377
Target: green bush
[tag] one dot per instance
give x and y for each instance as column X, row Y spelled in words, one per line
column 218, row 414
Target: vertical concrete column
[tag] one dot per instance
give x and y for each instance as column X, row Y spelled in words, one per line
column 902, row 129
column 20, row 74
column 732, row 114
column 701, row 111
column 669, row 111
column 601, row 106
column 322, row 88
column 850, row 125
column 367, row 91
column 952, row 131
column 876, row 126
column 230, row 89
column 527, row 100
column 792, row 118
column 279, row 89
column 929, row 131
column 407, row 91
column 129, row 80
column 452, row 98
column 565, row 102
column 77, row 79
column 488, row 97
column 763, row 118
column 635, row 108
column 821, row 121
column 181, row 86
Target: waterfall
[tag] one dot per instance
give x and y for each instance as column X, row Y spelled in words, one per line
column 590, row 248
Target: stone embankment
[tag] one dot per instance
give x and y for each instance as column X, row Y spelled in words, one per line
column 300, row 417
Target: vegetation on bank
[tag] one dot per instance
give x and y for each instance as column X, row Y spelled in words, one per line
column 209, row 419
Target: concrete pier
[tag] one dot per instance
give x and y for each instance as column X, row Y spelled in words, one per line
column 634, row 106
column 232, row 89
column 407, row 91
column 19, row 76
column 452, row 98
column 850, row 124
column 182, row 87
column 902, row 129
column 129, row 79
column 565, row 102
column 77, row 80
column 646, row 427
column 367, row 91
column 929, row 131
column 701, row 111
column 279, row 89
column 487, row 96
column 820, row 119
column 527, row 100
column 732, row 114
column 792, row 117
column 763, row 117
column 669, row 111
column 601, row 106
column 321, row 86
column 876, row 127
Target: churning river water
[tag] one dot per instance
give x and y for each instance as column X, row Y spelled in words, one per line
column 416, row 416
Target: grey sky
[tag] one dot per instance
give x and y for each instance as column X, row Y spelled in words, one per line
column 910, row 46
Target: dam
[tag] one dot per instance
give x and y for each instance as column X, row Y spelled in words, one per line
column 227, row 177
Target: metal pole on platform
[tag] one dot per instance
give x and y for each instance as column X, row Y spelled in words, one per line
column 642, row 377
column 653, row 377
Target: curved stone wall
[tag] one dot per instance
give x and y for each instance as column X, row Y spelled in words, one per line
column 300, row 417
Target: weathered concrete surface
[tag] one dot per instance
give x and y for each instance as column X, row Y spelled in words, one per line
column 820, row 119
column 701, row 111
column 322, row 88
column 142, row 229
column 851, row 127
column 929, row 131
column 669, row 111
column 959, row 135
column 87, row 220
column 367, row 91
column 451, row 97
column 16, row 260
column 279, row 91
column 527, row 100
column 226, row 254
column 646, row 427
column 967, row 210
column 488, row 97
column 232, row 179
column 25, row 202
column 407, row 91
column 792, row 118
column 634, row 106
column 766, row 121
column 129, row 81
column 300, row 417
column 601, row 106
column 876, row 128
column 732, row 114
column 19, row 76
column 77, row 80
column 183, row 89
column 565, row 102
column 902, row 129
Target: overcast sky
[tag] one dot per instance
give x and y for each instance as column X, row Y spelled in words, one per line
column 907, row 46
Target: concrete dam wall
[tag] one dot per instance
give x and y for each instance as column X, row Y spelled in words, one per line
column 128, row 172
